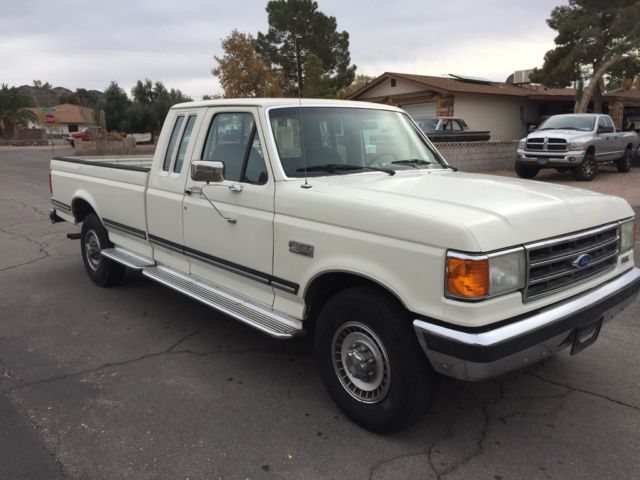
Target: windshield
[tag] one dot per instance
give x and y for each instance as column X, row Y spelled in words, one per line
column 569, row 122
column 339, row 141
column 427, row 123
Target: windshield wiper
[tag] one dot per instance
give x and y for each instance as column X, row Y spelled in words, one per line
column 412, row 162
column 340, row 167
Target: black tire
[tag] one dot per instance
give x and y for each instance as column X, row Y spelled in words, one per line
column 370, row 328
column 526, row 171
column 624, row 163
column 587, row 170
column 93, row 239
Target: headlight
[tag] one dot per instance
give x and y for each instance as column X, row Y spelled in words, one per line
column 522, row 144
column 578, row 146
column 627, row 235
column 475, row 277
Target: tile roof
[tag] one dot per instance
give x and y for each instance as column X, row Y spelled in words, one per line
column 454, row 85
column 632, row 94
column 68, row 113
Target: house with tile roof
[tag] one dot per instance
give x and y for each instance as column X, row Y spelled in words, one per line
column 68, row 118
column 506, row 109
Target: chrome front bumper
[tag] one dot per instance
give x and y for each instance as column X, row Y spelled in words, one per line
column 550, row 159
column 479, row 354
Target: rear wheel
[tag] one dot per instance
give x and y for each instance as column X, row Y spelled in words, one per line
column 94, row 239
column 587, row 170
column 526, row 171
column 624, row 163
column 370, row 360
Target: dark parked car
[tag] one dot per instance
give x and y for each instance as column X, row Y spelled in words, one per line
column 449, row 129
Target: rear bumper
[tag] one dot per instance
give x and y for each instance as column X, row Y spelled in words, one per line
column 472, row 355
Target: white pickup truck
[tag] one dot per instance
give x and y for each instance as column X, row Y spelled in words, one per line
column 342, row 219
column 578, row 143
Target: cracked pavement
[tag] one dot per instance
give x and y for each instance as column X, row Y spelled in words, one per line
column 140, row 382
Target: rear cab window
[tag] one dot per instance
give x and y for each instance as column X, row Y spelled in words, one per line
column 178, row 142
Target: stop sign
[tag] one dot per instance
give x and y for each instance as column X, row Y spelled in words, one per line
column 49, row 118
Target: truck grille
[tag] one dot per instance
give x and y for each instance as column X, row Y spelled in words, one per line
column 547, row 144
column 553, row 264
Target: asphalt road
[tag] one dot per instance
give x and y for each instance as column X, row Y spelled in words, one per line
column 139, row 382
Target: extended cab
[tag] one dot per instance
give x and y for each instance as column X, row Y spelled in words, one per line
column 342, row 219
column 576, row 142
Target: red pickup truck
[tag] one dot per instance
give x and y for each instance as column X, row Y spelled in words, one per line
column 89, row 133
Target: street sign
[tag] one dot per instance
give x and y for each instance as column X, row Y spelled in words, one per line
column 49, row 119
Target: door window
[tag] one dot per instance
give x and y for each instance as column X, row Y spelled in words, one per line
column 233, row 140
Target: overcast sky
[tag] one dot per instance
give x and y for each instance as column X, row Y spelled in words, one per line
column 88, row 44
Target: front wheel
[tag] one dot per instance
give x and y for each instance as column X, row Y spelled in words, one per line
column 93, row 239
column 624, row 163
column 526, row 171
column 587, row 170
column 370, row 360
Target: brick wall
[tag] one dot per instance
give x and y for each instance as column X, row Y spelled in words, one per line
column 479, row 156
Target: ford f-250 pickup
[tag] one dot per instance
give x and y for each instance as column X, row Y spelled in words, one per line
column 575, row 142
column 342, row 219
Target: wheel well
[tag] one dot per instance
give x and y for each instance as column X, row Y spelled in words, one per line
column 327, row 285
column 81, row 208
column 591, row 150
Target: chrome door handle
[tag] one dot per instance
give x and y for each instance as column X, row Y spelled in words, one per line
column 235, row 187
column 190, row 190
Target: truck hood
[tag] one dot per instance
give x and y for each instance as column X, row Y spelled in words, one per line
column 471, row 212
column 568, row 135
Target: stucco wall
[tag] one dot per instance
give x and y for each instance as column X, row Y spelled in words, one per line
column 479, row 156
column 505, row 117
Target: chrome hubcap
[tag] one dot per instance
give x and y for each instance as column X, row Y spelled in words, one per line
column 92, row 250
column 361, row 363
column 589, row 168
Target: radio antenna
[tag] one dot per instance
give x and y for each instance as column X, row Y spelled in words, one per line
column 298, row 78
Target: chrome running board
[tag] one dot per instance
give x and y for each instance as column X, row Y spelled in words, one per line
column 126, row 258
column 267, row 321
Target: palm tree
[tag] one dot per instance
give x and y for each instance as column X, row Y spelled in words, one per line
column 14, row 110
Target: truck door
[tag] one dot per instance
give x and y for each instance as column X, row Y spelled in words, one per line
column 604, row 140
column 236, row 254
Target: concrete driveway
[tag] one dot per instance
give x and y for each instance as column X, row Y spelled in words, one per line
column 139, row 382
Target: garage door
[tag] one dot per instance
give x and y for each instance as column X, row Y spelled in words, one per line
column 420, row 110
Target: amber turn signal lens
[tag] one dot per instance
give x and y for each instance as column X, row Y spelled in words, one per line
column 467, row 278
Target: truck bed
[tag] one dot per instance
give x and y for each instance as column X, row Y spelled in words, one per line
column 114, row 187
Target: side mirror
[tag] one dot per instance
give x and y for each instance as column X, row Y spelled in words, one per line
column 605, row 129
column 532, row 128
column 205, row 171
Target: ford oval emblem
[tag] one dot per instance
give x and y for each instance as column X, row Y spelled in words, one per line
column 582, row 261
